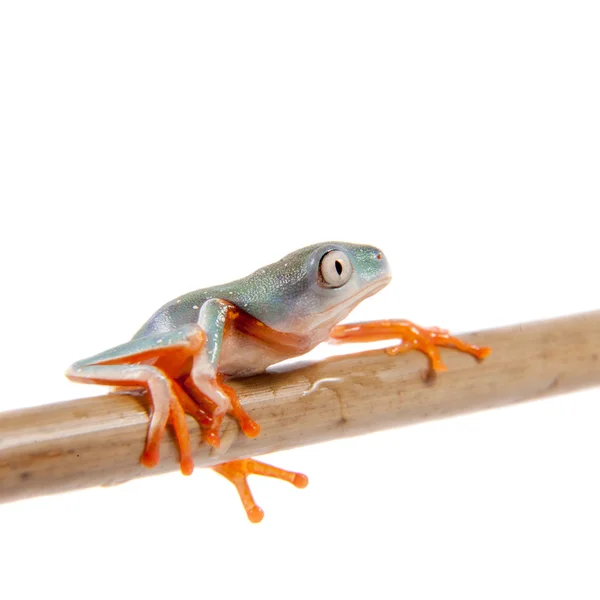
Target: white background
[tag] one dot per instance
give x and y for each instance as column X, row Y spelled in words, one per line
column 147, row 149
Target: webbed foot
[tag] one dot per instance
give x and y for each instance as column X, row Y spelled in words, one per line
column 411, row 336
column 237, row 472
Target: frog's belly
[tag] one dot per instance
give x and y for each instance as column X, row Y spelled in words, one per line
column 243, row 355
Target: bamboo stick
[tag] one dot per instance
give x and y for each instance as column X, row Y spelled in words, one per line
column 98, row 441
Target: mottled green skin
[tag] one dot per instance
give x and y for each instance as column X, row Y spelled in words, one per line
column 285, row 295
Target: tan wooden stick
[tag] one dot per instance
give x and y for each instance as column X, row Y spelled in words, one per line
column 96, row 441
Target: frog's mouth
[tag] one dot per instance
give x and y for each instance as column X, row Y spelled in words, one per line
column 340, row 311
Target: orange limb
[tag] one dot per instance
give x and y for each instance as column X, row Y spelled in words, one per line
column 180, row 404
column 206, row 406
column 248, row 325
column 173, row 402
column 247, row 425
column 212, row 424
column 182, row 434
column 176, row 417
column 179, row 407
column 200, row 413
column 237, row 472
column 411, row 336
column 166, row 409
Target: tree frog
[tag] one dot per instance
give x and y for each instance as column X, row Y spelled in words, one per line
column 188, row 349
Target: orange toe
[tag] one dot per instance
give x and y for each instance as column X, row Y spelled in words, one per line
column 150, row 458
column 255, row 514
column 187, row 466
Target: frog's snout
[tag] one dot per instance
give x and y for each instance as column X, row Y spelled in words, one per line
column 382, row 266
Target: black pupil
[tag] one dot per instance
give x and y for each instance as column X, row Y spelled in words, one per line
column 338, row 267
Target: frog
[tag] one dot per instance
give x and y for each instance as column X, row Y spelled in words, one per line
column 186, row 353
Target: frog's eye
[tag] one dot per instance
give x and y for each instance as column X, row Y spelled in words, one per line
column 335, row 269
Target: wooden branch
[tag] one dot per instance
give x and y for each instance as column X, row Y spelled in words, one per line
column 96, row 441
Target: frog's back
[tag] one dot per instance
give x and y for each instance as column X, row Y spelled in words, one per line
column 184, row 310
column 265, row 294
column 177, row 313
column 277, row 294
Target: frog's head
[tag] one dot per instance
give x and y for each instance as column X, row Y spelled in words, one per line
column 312, row 289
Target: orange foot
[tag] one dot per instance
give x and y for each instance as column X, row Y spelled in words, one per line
column 179, row 404
column 411, row 336
column 211, row 426
column 237, row 472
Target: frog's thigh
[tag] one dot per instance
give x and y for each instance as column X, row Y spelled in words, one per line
column 187, row 340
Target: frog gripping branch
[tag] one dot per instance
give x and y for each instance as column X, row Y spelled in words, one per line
column 185, row 352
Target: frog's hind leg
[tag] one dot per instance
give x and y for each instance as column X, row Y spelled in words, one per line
column 237, row 472
column 164, row 399
column 128, row 365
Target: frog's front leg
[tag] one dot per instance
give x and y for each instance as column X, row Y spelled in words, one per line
column 215, row 318
column 153, row 362
column 411, row 336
